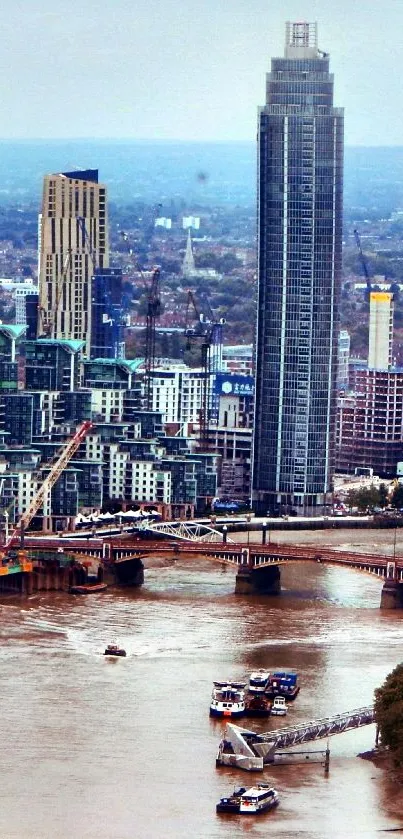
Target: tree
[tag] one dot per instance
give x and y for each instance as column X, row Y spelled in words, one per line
column 364, row 498
column 383, row 495
column 397, row 497
column 389, row 713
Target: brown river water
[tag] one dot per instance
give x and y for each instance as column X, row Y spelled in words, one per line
column 94, row 748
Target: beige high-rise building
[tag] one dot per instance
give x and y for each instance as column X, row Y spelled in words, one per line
column 73, row 244
column 380, row 330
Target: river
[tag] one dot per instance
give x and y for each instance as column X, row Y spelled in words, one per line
column 94, row 748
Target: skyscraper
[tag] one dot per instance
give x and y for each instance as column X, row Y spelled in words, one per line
column 300, row 173
column 73, row 244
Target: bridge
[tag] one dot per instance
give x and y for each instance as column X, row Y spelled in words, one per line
column 121, row 559
column 248, row 750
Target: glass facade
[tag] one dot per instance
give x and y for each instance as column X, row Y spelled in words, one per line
column 107, row 339
column 300, row 175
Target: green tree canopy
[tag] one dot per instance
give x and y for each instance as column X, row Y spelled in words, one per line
column 389, row 713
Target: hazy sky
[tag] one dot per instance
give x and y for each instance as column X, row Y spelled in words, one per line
column 187, row 70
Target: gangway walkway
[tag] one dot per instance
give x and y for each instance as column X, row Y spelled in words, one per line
column 190, row 532
column 248, row 750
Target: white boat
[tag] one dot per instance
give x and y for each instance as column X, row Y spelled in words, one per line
column 279, row 707
column 228, row 699
column 258, row 799
column 258, row 681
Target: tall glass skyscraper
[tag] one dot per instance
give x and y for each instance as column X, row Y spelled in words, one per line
column 300, row 181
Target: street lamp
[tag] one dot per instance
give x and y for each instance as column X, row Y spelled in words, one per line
column 6, row 526
column 248, row 517
column 264, row 529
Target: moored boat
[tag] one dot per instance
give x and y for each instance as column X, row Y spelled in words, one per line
column 228, row 699
column 115, row 650
column 279, row 707
column 258, row 680
column 89, row 588
column 283, row 683
column 257, row 705
column 257, row 799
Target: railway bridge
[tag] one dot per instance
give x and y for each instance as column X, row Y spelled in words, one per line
column 122, row 558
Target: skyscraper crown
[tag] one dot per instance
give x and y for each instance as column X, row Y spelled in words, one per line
column 301, row 40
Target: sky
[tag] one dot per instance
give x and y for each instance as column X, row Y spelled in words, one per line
column 190, row 70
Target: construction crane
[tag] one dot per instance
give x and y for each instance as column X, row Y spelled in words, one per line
column 363, row 262
column 66, row 453
column 204, row 326
column 153, row 312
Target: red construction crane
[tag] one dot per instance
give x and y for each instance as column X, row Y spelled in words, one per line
column 65, row 454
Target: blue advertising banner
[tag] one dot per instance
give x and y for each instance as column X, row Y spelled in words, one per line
column 227, row 384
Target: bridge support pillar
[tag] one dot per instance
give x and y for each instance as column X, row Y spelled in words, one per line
column 258, row 581
column 392, row 595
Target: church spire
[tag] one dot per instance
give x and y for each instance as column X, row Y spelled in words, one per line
column 188, row 266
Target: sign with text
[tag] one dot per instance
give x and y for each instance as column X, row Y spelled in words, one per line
column 234, row 385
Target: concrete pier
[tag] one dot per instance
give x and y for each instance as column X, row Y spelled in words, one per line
column 258, row 580
column 392, row 595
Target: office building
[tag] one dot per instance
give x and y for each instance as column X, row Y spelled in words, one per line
column 300, row 173
column 73, row 244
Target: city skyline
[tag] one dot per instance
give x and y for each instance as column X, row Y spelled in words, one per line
column 184, row 72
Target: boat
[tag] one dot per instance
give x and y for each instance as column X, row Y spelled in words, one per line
column 257, row 705
column 90, row 588
column 283, row 683
column 257, row 799
column 258, row 681
column 228, row 699
column 279, row 707
column 231, row 804
column 115, row 650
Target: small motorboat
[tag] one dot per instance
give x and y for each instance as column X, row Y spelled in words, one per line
column 90, row 588
column 279, row 707
column 232, row 803
column 115, row 650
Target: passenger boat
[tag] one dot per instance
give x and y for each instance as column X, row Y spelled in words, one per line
column 115, row 650
column 258, row 681
column 257, row 705
column 228, row 699
column 283, row 683
column 257, row 799
column 279, row 707
column 231, row 804
column 90, row 588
